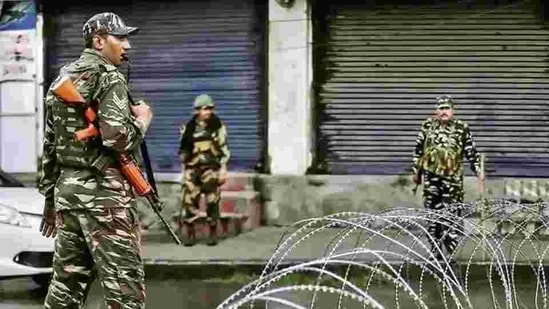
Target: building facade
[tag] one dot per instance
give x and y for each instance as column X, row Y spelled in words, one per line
column 183, row 49
column 379, row 65
column 328, row 87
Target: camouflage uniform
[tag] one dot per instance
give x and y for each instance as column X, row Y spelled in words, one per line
column 438, row 158
column 203, row 149
column 97, row 223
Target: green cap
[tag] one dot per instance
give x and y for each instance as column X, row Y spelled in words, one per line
column 445, row 101
column 203, row 100
column 108, row 23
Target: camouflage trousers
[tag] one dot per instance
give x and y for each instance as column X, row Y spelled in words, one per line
column 438, row 193
column 103, row 243
column 196, row 181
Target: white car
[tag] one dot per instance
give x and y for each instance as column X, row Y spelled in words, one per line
column 23, row 249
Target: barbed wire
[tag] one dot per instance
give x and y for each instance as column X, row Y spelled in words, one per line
column 366, row 251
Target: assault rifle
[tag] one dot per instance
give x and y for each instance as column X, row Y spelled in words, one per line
column 66, row 91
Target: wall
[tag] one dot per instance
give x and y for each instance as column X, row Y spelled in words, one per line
column 287, row 199
column 18, row 127
column 20, row 99
column 289, row 84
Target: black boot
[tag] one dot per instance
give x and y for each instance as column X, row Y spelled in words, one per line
column 190, row 237
column 212, row 241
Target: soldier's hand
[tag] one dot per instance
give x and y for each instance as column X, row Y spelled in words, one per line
column 223, row 175
column 143, row 113
column 48, row 226
column 416, row 179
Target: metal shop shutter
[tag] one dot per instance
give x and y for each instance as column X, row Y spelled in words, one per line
column 379, row 69
column 183, row 49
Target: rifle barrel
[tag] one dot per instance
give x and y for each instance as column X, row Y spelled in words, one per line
column 154, row 202
column 156, row 205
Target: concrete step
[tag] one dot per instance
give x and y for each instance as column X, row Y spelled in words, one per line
column 239, row 182
column 246, row 203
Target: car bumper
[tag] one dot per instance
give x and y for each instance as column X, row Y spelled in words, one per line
column 23, row 250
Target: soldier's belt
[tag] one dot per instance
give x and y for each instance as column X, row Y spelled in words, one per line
column 103, row 162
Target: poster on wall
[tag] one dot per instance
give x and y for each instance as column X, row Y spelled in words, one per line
column 17, row 40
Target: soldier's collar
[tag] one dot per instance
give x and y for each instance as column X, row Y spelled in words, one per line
column 92, row 53
column 439, row 123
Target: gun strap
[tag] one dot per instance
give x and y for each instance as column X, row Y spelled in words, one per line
column 143, row 146
column 148, row 167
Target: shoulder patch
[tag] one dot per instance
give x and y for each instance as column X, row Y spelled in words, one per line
column 428, row 122
column 121, row 102
column 460, row 123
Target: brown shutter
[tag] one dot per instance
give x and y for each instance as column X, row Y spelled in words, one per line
column 380, row 68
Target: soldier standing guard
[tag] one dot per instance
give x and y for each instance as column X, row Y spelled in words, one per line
column 204, row 155
column 89, row 204
column 440, row 147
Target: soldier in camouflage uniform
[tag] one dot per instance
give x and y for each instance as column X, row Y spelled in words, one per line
column 89, row 205
column 440, row 147
column 204, row 154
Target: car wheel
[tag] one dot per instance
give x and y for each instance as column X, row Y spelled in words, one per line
column 43, row 280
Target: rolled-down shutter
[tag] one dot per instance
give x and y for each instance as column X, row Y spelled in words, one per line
column 183, row 49
column 381, row 68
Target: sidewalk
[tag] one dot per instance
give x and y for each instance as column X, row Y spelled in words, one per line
column 251, row 250
column 252, row 247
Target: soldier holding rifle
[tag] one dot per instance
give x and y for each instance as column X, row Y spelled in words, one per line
column 440, row 147
column 90, row 205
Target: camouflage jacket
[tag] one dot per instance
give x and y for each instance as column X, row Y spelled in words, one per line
column 204, row 144
column 440, row 149
column 66, row 173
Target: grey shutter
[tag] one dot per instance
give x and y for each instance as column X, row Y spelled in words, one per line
column 183, row 49
column 380, row 68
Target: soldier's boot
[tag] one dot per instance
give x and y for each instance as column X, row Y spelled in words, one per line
column 190, row 236
column 212, row 240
